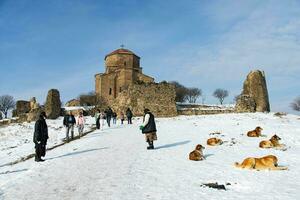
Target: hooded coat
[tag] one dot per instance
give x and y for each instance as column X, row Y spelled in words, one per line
column 40, row 131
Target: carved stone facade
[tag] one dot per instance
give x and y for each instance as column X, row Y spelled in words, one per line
column 122, row 69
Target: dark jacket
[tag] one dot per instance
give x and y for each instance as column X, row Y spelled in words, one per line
column 108, row 113
column 114, row 115
column 40, row 131
column 67, row 122
column 128, row 113
column 151, row 126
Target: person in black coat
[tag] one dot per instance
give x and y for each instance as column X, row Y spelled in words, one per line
column 40, row 137
column 108, row 113
column 69, row 122
column 149, row 128
column 129, row 116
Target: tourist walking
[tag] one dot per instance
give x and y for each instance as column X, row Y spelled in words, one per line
column 114, row 116
column 40, row 137
column 102, row 117
column 97, row 119
column 80, row 123
column 122, row 117
column 69, row 122
column 149, row 128
column 129, row 116
column 108, row 113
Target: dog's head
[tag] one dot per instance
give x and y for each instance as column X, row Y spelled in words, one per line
column 219, row 141
column 258, row 128
column 275, row 137
column 199, row 147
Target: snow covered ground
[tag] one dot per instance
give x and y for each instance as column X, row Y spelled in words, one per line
column 16, row 139
column 114, row 163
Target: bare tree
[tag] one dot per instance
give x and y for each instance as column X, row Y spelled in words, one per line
column 7, row 102
column 193, row 94
column 296, row 104
column 220, row 94
column 203, row 98
column 181, row 91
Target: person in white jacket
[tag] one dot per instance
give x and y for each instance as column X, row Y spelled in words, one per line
column 80, row 121
column 102, row 119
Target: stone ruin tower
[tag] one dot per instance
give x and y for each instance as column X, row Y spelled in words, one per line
column 122, row 68
column 254, row 96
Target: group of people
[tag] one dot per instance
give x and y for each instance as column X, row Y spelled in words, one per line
column 108, row 114
column 69, row 122
column 40, row 135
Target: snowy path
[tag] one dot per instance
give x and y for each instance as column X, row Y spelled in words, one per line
column 114, row 164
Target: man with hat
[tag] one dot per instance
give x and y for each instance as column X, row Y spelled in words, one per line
column 40, row 137
column 149, row 128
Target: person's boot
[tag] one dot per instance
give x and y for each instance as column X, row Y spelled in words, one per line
column 150, row 145
column 36, row 159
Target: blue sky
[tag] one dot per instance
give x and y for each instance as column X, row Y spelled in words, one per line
column 207, row 44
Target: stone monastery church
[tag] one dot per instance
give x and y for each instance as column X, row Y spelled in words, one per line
column 122, row 68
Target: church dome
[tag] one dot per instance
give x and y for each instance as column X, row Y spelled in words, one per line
column 121, row 51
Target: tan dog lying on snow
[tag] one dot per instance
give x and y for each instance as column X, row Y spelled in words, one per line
column 255, row 133
column 197, row 154
column 214, row 141
column 267, row 162
column 273, row 142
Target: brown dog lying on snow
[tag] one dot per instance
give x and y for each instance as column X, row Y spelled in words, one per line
column 255, row 133
column 273, row 142
column 197, row 154
column 267, row 162
column 214, row 141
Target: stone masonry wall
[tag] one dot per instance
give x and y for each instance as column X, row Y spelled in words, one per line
column 158, row 97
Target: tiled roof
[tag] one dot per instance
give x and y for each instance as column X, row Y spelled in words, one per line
column 121, row 51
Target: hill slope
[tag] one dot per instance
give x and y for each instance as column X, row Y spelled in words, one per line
column 114, row 163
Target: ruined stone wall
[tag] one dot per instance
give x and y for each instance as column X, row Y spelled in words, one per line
column 203, row 112
column 21, row 107
column 158, row 97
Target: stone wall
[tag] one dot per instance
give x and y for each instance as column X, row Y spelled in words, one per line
column 158, row 97
column 21, row 107
column 201, row 109
column 203, row 112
